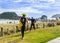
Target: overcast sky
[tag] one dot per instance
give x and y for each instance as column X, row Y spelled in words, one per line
column 34, row 8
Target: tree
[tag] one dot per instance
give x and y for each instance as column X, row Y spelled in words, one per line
column 44, row 17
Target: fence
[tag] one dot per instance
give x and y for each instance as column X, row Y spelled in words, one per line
column 8, row 29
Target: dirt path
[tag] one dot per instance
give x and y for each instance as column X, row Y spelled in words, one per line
column 57, row 40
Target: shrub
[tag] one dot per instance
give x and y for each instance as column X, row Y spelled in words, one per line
column 58, row 23
column 12, row 31
column 50, row 24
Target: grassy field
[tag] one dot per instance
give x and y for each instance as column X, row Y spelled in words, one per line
column 41, row 35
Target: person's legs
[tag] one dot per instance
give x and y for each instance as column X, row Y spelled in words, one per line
column 34, row 26
column 22, row 32
column 30, row 27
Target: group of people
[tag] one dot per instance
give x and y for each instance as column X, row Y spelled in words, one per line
column 23, row 20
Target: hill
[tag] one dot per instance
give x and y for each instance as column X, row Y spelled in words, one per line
column 9, row 15
column 56, row 16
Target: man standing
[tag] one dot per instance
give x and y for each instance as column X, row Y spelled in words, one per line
column 23, row 21
column 32, row 23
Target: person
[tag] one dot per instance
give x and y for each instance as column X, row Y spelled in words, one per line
column 32, row 23
column 23, row 21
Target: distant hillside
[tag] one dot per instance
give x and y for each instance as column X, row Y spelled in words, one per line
column 9, row 15
column 56, row 16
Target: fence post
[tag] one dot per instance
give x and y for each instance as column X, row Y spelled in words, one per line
column 36, row 25
column 16, row 29
column 53, row 24
column 43, row 25
column 2, row 32
column 8, row 31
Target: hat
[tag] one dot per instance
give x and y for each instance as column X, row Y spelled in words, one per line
column 23, row 14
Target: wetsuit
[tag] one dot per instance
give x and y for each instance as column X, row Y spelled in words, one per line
column 32, row 24
column 23, row 20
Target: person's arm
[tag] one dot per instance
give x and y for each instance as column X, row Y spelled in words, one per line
column 27, row 21
column 21, row 20
column 34, row 20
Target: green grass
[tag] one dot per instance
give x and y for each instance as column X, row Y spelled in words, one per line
column 41, row 35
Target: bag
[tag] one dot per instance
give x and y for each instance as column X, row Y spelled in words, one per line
column 20, row 26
